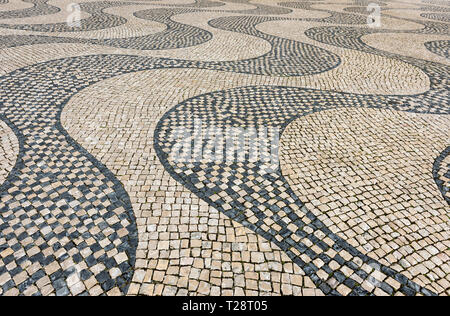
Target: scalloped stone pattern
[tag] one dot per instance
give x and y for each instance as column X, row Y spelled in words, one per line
column 92, row 202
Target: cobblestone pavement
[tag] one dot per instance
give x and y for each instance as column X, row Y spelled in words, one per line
column 355, row 199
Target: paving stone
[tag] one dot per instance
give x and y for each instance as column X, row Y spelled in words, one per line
column 352, row 198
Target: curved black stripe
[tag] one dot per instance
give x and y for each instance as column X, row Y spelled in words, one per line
column 40, row 7
column 98, row 20
column 438, row 168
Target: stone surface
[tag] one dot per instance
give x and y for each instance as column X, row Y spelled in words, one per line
column 9, row 150
column 355, row 200
column 366, row 172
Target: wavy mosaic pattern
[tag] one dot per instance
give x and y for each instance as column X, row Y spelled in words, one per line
column 104, row 209
column 97, row 20
column 40, row 7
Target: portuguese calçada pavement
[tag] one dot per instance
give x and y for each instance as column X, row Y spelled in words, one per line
column 353, row 197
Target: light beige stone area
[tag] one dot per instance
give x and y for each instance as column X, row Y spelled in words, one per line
column 367, row 174
column 185, row 246
column 411, row 45
column 405, row 80
column 15, row 5
column 9, row 150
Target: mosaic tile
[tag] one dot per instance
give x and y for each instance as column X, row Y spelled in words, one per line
column 351, row 199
